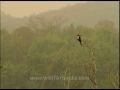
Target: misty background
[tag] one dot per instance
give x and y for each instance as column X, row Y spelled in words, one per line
column 74, row 12
column 38, row 39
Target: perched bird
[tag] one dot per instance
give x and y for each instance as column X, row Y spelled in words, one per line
column 79, row 39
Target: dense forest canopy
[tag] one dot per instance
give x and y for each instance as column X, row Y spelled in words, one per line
column 46, row 48
column 49, row 51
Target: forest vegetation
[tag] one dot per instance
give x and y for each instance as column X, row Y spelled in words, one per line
column 46, row 47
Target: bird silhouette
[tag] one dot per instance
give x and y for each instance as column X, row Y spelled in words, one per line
column 79, row 39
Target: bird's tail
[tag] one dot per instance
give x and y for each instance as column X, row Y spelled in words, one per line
column 81, row 43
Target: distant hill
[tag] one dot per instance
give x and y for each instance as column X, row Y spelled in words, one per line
column 87, row 14
column 10, row 23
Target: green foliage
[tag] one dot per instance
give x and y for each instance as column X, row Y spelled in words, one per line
column 26, row 54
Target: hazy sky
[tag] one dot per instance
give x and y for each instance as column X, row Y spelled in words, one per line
column 26, row 8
